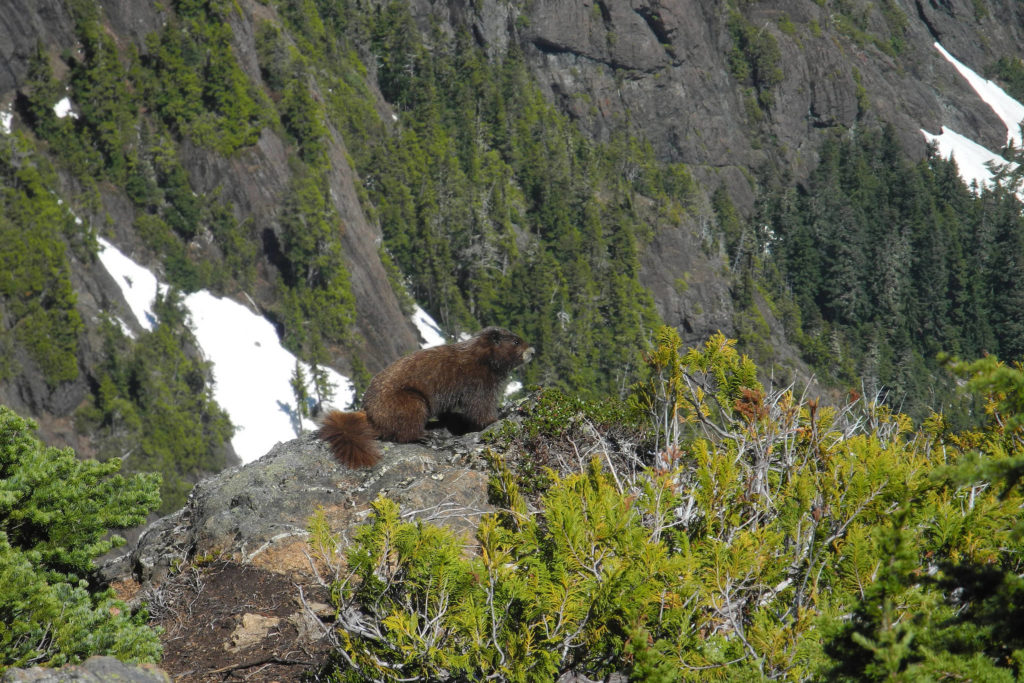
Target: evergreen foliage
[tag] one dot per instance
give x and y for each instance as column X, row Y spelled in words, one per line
column 153, row 407
column 754, row 59
column 1010, row 72
column 318, row 303
column 37, row 303
column 493, row 204
column 55, row 515
column 890, row 263
column 964, row 616
column 192, row 79
column 774, row 538
column 882, row 25
column 537, row 600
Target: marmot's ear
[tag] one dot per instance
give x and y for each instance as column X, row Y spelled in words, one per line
column 495, row 337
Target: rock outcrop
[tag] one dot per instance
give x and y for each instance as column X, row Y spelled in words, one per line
column 231, row 577
column 257, row 514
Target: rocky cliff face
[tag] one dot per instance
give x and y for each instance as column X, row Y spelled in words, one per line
column 670, row 70
column 664, row 66
column 665, row 69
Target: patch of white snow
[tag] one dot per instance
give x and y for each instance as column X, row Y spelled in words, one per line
column 138, row 285
column 429, row 330
column 971, row 158
column 63, row 109
column 1006, row 108
column 6, row 117
column 252, row 373
column 128, row 332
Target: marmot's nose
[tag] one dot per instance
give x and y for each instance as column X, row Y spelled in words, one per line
column 528, row 354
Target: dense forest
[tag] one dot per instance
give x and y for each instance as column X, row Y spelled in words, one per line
column 880, row 266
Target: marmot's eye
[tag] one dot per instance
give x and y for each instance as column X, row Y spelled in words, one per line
column 516, row 342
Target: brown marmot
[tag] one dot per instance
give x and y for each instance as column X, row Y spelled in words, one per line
column 458, row 382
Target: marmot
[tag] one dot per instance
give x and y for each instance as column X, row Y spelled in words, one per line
column 457, row 382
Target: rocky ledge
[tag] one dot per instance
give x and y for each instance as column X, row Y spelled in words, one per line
column 231, row 578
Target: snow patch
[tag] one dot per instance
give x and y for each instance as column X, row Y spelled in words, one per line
column 63, row 109
column 6, row 118
column 252, row 371
column 1006, row 108
column 974, row 161
column 125, row 328
column 971, row 158
column 430, row 331
column 138, row 285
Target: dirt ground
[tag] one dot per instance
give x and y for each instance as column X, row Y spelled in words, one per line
column 230, row 622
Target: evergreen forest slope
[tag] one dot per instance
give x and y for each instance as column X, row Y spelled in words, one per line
column 579, row 172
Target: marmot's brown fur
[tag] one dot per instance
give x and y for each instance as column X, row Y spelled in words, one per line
column 457, row 381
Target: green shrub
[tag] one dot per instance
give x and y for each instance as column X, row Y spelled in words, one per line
column 754, row 59
column 774, row 538
column 538, row 599
column 55, row 515
column 1010, row 72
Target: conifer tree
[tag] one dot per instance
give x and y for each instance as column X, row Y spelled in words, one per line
column 56, row 513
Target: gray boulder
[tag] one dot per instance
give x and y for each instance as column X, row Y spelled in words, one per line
column 257, row 514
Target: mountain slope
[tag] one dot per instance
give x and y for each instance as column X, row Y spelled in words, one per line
column 574, row 170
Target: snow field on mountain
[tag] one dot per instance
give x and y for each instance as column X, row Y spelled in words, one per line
column 251, row 370
column 973, row 159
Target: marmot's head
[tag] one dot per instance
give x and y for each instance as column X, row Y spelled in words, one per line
column 502, row 349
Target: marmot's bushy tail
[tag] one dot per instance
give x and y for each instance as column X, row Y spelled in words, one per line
column 351, row 438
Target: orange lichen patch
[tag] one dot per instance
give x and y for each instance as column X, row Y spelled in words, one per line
column 284, row 557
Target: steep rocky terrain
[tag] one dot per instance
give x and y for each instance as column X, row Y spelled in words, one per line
column 664, row 67
column 253, row 181
column 742, row 94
